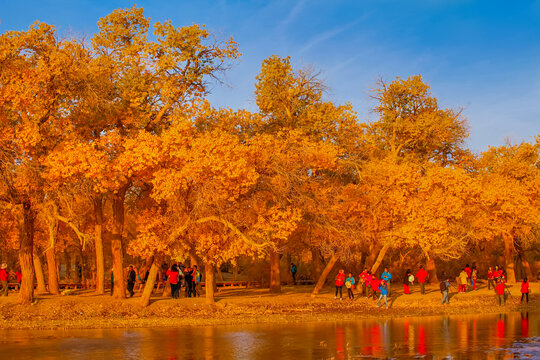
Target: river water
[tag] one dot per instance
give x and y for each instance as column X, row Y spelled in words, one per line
column 504, row 336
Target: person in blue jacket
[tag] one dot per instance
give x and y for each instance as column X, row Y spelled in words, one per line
column 386, row 276
column 383, row 288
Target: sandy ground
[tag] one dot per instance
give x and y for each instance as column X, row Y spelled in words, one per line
column 83, row 309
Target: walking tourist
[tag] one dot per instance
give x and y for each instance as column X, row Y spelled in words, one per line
column 445, row 288
column 188, row 279
column 349, row 284
column 367, row 280
column 500, row 291
column 362, row 280
column 463, row 280
column 421, row 277
column 172, row 276
column 4, row 277
column 340, row 280
column 474, row 276
column 525, row 290
column 131, row 280
column 196, row 280
column 374, row 286
column 384, row 293
column 294, row 269
column 386, row 276
column 490, row 277
column 407, row 282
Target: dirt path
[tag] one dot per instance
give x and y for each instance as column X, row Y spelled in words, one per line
column 235, row 306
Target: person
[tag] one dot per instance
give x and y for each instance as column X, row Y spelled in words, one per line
column 18, row 275
column 386, row 276
column 384, row 293
column 445, row 288
column 468, row 270
column 499, row 290
column 463, row 281
column 407, row 282
column 525, row 290
column 349, row 284
column 131, row 280
column 497, row 273
column 340, row 280
column 188, row 279
column 367, row 280
column 421, row 276
column 490, row 276
column 362, row 280
column 294, row 269
column 196, row 280
column 4, row 277
column 374, row 286
column 172, row 276
column 474, row 276
column 112, row 282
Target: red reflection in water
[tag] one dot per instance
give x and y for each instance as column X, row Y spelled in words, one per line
column 340, row 342
column 499, row 335
column 376, row 342
column 421, row 340
column 525, row 325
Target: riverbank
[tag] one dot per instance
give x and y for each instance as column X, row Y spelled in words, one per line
column 85, row 310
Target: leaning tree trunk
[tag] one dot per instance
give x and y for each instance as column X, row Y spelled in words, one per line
column 509, row 258
column 275, row 276
column 374, row 251
column 40, row 278
column 380, row 257
column 431, row 268
column 150, row 282
column 51, row 258
column 26, row 295
column 98, row 237
column 324, row 274
column 119, row 291
column 210, row 282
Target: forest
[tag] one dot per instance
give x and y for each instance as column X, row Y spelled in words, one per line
column 112, row 154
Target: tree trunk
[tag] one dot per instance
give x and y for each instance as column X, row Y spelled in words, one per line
column 509, row 258
column 374, row 251
column 380, row 257
column 26, row 247
column 38, row 268
column 235, row 272
column 316, row 262
column 219, row 274
column 67, row 259
column 523, row 260
column 324, row 274
column 116, row 243
column 149, row 287
column 51, row 267
column 193, row 258
column 275, row 276
column 98, row 235
column 431, row 268
column 210, row 282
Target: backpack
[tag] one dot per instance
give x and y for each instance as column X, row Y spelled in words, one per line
column 443, row 286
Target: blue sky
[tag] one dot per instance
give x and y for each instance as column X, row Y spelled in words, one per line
column 482, row 56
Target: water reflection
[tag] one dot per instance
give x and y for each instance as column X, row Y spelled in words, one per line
column 503, row 336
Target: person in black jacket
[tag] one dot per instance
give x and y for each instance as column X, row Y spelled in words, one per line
column 131, row 281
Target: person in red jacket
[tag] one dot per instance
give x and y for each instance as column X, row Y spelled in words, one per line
column 421, row 277
column 525, row 290
column 340, row 280
column 4, row 276
column 374, row 286
column 490, row 276
column 499, row 290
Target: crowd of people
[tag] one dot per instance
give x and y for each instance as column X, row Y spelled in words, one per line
column 378, row 287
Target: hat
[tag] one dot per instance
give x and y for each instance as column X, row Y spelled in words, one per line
column 4, row 266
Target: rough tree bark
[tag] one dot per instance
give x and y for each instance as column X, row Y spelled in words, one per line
column 431, row 268
column 509, row 264
column 324, row 274
column 149, row 286
column 98, row 236
column 40, row 278
column 116, row 243
column 50, row 256
column 275, row 276
column 316, row 262
column 379, row 259
column 210, row 282
column 26, row 242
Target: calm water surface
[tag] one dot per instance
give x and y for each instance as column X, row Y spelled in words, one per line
column 505, row 336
